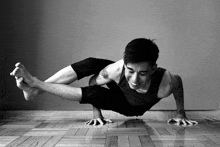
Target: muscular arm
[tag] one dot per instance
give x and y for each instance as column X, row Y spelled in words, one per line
column 172, row 84
column 178, row 94
column 110, row 73
column 105, row 76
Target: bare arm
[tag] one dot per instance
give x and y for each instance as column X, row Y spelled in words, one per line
column 178, row 94
column 100, row 79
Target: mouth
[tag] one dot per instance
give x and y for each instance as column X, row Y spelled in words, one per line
column 134, row 84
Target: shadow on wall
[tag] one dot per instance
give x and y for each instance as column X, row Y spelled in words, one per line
column 21, row 32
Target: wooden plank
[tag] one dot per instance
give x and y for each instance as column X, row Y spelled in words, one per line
column 71, row 132
column 206, row 141
column 41, row 141
column 127, row 131
column 123, row 141
column 4, row 140
column 17, row 132
column 214, row 138
column 81, row 141
column 146, row 141
column 111, row 141
column 52, row 141
column 92, row 132
column 6, row 131
column 42, row 125
column 18, row 141
column 82, row 132
column 45, row 133
column 162, row 131
column 29, row 141
column 134, row 141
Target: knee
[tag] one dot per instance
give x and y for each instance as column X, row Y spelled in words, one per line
column 92, row 81
column 91, row 59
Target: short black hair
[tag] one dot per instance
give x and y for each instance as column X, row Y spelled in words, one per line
column 141, row 50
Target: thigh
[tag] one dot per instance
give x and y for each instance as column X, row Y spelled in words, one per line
column 89, row 66
column 106, row 99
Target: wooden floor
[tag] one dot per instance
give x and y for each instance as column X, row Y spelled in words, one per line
column 67, row 128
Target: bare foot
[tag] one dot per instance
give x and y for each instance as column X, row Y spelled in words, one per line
column 20, row 71
column 29, row 92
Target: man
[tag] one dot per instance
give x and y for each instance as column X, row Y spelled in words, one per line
column 135, row 83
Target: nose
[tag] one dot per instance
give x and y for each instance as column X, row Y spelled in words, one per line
column 135, row 78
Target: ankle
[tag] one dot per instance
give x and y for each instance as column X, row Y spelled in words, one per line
column 34, row 83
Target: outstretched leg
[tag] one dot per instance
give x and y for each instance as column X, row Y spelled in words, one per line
column 61, row 90
column 65, row 76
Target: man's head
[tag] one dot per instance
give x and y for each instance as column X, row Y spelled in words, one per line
column 141, row 50
column 140, row 58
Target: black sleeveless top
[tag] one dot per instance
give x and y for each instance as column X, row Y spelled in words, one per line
column 143, row 100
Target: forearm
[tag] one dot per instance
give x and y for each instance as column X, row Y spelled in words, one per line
column 64, row 76
column 97, row 113
column 179, row 97
column 61, row 90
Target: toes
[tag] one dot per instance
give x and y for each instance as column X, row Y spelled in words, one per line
column 19, row 82
column 18, row 64
column 18, row 67
column 15, row 72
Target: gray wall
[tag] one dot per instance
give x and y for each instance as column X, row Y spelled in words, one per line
column 47, row 35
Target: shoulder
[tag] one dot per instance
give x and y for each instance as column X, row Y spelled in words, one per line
column 114, row 70
column 168, row 83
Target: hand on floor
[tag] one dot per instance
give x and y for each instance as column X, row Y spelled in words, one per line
column 182, row 122
column 98, row 122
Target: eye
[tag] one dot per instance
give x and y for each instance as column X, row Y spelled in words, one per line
column 143, row 73
column 131, row 71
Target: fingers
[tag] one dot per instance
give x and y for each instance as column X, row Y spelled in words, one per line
column 95, row 122
column 194, row 122
column 182, row 122
column 172, row 121
column 108, row 120
column 98, row 122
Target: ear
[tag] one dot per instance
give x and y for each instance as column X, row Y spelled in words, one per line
column 154, row 67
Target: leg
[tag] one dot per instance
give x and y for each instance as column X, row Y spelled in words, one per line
column 66, row 75
column 61, row 90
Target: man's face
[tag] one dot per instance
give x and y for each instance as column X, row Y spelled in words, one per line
column 138, row 74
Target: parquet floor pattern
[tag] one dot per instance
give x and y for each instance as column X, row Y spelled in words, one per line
column 68, row 129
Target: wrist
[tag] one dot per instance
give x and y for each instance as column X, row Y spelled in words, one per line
column 180, row 115
column 97, row 114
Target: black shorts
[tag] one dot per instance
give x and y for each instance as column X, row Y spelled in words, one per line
column 111, row 98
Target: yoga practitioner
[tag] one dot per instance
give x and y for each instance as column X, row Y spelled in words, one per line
column 133, row 84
